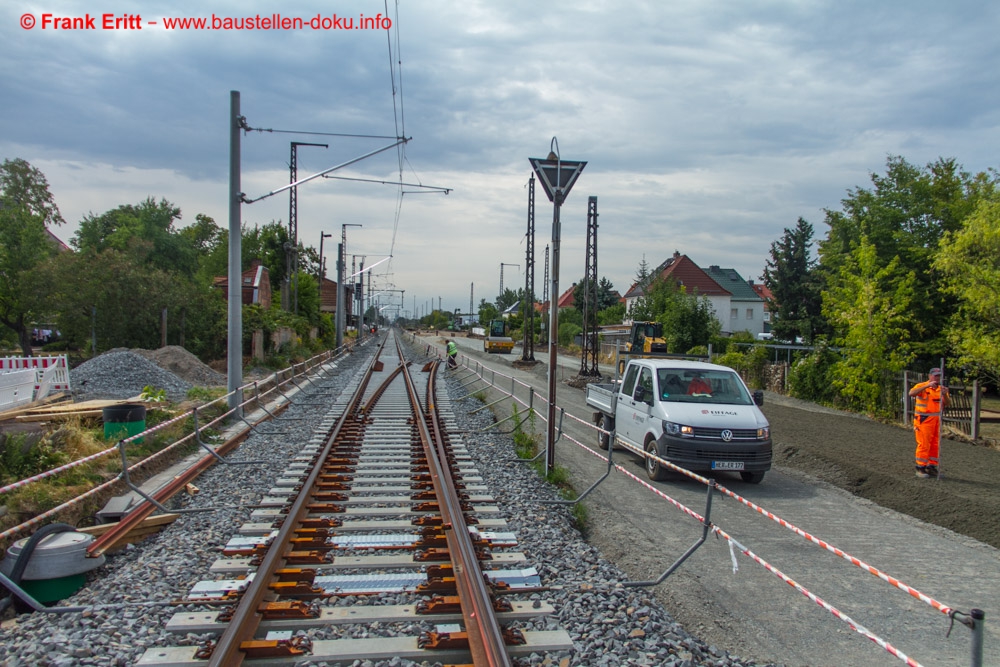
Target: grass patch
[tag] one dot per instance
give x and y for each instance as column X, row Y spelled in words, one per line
column 25, row 455
column 526, row 446
column 205, row 394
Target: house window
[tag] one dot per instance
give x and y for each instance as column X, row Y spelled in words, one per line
column 734, row 313
column 767, row 316
column 749, row 313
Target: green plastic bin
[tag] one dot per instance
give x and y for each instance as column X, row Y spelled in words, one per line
column 124, row 421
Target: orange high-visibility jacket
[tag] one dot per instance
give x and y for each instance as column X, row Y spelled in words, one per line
column 928, row 401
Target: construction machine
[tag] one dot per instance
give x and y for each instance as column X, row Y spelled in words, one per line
column 645, row 338
column 497, row 341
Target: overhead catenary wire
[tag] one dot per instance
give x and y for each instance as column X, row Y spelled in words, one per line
column 396, row 69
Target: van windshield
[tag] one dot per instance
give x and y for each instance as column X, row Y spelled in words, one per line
column 685, row 385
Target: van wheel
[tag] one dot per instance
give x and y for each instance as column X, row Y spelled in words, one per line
column 654, row 470
column 752, row 477
column 603, row 438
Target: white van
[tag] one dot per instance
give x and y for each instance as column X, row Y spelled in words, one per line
column 696, row 415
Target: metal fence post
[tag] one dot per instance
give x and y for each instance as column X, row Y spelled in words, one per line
column 978, row 621
column 906, row 397
column 974, row 417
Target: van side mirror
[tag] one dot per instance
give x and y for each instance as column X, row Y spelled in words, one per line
column 758, row 397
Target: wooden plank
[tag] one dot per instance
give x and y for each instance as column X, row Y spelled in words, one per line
column 58, row 416
column 53, row 398
column 82, row 410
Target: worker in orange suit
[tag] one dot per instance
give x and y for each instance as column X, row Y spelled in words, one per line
column 931, row 399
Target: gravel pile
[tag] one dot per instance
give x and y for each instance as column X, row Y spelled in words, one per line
column 184, row 365
column 610, row 625
column 122, row 373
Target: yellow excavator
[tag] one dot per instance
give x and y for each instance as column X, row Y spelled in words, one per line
column 645, row 338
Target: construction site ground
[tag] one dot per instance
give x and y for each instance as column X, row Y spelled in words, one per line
column 842, row 477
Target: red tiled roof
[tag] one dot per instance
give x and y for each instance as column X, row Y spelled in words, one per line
column 686, row 274
column 762, row 291
column 566, row 298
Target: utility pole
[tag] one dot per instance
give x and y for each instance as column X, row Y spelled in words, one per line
column 472, row 289
column 342, row 300
column 234, row 351
column 528, row 345
column 292, row 254
column 322, row 268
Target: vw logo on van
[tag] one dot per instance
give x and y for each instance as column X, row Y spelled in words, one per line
column 727, row 435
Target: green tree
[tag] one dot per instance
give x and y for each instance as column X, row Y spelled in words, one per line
column 612, row 315
column 509, row 298
column 149, row 221
column 642, row 273
column 969, row 261
column 688, row 320
column 126, row 292
column 571, row 315
column 870, row 307
column 904, row 215
column 211, row 246
column 606, row 297
column 790, row 275
column 487, row 311
column 26, row 207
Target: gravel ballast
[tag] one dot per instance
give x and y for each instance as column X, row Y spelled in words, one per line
column 122, row 373
column 610, row 625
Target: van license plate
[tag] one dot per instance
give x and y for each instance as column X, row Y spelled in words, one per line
column 727, row 465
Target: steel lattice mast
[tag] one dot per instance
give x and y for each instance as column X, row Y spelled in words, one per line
column 588, row 358
column 528, row 346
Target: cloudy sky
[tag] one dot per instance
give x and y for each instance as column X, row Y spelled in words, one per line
column 709, row 126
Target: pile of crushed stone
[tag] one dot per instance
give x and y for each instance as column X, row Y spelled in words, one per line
column 123, row 373
column 184, row 365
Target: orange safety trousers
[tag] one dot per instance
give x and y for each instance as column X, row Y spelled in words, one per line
column 926, row 424
column 928, row 440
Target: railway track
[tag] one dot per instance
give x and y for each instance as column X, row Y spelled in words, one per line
column 382, row 502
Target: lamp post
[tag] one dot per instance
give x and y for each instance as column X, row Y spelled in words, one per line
column 557, row 177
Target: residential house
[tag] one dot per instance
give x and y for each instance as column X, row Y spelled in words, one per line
column 256, row 288
column 685, row 273
column 746, row 307
column 765, row 293
column 256, row 283
column 328, row 298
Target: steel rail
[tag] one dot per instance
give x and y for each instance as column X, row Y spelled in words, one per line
column 246, row 617
column 483, row 630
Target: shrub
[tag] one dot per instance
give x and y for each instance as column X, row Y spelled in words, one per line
column 568, row 332
column 811, row 376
